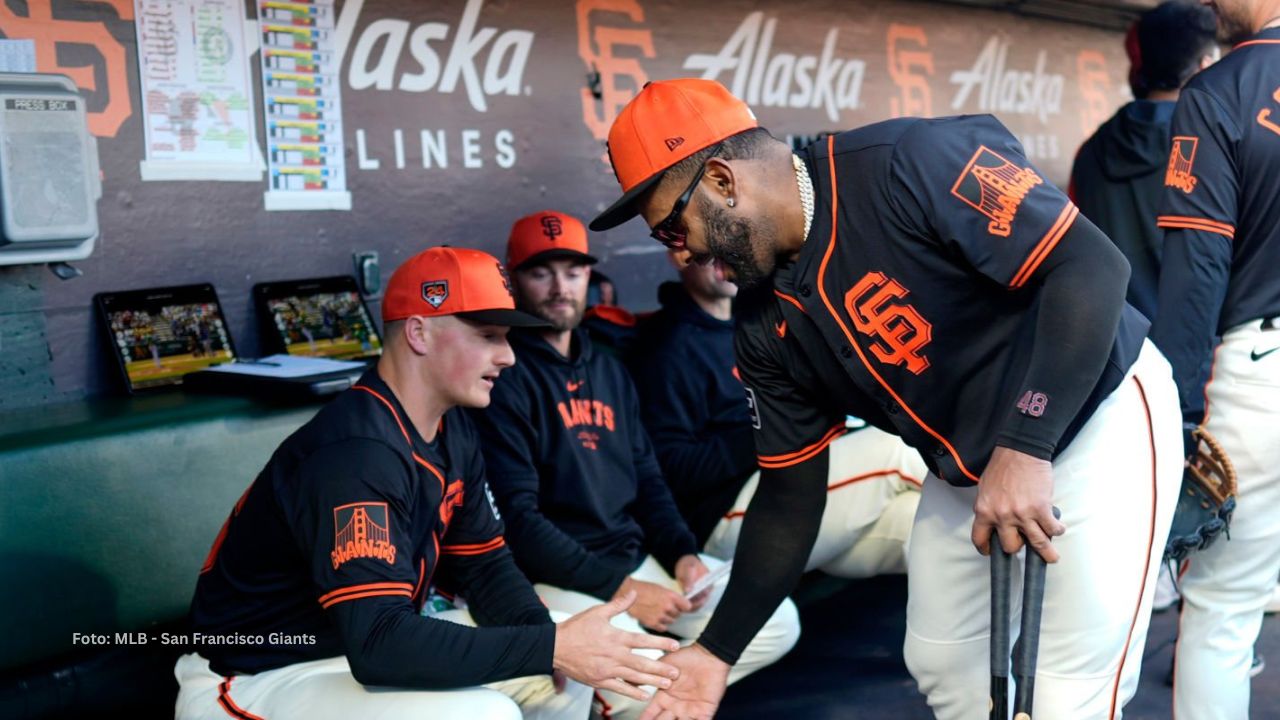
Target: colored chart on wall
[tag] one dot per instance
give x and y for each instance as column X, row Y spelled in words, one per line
column 303, row 106
column 196, row 92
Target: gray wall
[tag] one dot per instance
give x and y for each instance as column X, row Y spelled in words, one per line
column 1052, row 83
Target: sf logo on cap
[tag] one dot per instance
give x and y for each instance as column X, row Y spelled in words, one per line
column 506, row 279
column 552, row 227
column 435, row 292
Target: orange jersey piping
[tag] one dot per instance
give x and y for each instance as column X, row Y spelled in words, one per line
column 774, row 462
column 822, row 270
column 1190, row 223
column 1046, row 245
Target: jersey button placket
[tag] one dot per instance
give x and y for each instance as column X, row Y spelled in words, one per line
column 805, row 290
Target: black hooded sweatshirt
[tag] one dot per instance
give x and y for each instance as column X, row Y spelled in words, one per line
column 573, row 471
column 1117, row 181
column 694, row 407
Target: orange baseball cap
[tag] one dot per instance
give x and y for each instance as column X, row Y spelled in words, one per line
column 547, row 235
column 454, row 281
column 668, row 121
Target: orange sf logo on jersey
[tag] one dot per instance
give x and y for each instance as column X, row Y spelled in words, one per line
column 995, row 187
column 900, row 333
column 453, row 496
column 1264, row 115
column 1181, row 159
column 596, row 45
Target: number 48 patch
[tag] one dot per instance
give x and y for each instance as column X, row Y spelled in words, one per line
column 1033, row 403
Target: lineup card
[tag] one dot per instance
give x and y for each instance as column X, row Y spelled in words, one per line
column 196, row 91
column 302, row 102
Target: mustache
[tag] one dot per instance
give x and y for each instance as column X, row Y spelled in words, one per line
column 558, row 299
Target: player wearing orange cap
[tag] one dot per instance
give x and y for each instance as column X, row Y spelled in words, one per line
column 317, row 585
column 933, row 283
column 589, row 515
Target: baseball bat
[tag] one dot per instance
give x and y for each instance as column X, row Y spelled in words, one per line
column 1026, row 652
column 1001, row 581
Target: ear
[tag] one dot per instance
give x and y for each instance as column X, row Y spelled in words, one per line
column 679, row 258
column 418, row 334
column 719, row 178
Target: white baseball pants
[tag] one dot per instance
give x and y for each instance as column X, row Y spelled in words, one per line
column 1226, row 587
column 1116, row 485
column 872, row 492
column 323, row 689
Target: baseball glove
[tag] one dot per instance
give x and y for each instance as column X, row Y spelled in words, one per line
column 1207, row 499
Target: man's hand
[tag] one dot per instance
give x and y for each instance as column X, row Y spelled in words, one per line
column 697, row 692
column 1015, row 495
column 655, row 607
column 592, row 651
column 689, row 569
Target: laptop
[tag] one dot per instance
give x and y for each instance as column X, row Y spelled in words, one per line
column 317, row 317
column 159, row 335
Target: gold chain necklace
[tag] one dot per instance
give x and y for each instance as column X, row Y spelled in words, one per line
column 806, row 192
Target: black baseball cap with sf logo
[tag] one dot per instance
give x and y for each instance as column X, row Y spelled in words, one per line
column 547, row 235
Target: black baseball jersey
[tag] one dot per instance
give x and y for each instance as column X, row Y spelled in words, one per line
column 334, row 546
column 915, row 303
column 573, row 471
column 1221, row 210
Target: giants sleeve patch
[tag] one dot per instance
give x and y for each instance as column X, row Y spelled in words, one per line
column 1182, row 159
column 362, row 530
column 995, row 187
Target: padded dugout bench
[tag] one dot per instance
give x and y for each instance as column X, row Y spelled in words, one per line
column 107, row 510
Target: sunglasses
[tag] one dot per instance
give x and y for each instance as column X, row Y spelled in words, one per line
column 665, row 232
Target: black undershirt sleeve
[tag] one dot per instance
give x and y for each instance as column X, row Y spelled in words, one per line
column 778, row 533
column 389, row 644
column 1081, row 297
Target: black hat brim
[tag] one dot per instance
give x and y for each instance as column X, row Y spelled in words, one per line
column 556, row 254
column 505, row 318
column 625, row 208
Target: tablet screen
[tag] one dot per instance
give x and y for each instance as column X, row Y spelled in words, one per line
column 160, row 335
column 320, row 318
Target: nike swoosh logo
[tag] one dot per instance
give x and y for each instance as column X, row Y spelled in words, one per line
column 572, row 386
column 1255, row 356
column 781, row 329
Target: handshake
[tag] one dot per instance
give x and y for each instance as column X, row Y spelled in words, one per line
column 591, row 650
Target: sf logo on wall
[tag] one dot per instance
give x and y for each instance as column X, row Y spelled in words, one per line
column 617, row 79
column 899, row 332
column 910, row 65
column 58, row 38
